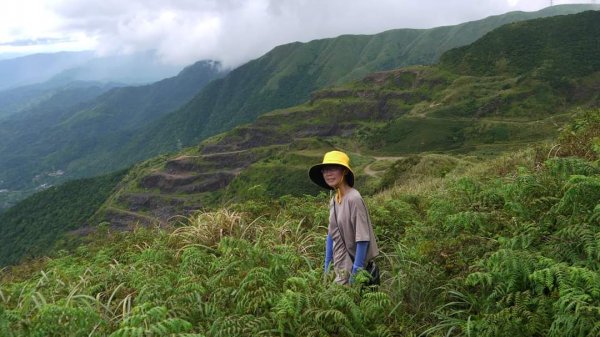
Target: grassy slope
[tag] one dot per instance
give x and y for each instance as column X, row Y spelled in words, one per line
column 471, row 252
column 397, row 113
column 521, row 47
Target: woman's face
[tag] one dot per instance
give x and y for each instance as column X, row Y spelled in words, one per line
column 333, row 175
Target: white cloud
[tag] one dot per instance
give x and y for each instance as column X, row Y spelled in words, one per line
column 33, row 20
column 232, row 31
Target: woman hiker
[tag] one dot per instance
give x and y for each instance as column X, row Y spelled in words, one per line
column 351, row 243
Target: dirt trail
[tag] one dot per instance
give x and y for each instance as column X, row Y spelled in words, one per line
column 388, row 158
column 370, row 172
column 208, row 155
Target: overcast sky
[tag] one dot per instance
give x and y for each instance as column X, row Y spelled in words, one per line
column 232, row 31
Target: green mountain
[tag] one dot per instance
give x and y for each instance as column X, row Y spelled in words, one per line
column 77, row 133
column 387, row 115
column 496, row 234
column 538, row 45
column 107, row 135
column 288, row 74
column 14, row 101
column 30, row 100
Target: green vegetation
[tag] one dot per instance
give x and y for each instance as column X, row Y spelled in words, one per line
column 287, row 75
column 487, row 214
column 10, row 198
column 34, row 226
column 132, row 124
column 546, row 47
column 409, row 111
column 418, row 110
column 492, row 248
column 21, row 99
column 78, row 131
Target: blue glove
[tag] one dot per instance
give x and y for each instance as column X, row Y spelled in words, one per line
column 361, row 254
column 328, row 251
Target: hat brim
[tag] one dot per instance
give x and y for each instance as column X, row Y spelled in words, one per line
column 316, row 175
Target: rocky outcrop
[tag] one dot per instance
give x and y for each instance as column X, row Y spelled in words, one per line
column 147, row 202
column 245, row 138
column 188, row 182
column 126, row 220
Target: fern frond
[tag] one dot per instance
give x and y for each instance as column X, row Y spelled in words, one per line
column 332, row 316
column 468, row 222
column 374, row 305
column 128, row 332
column 257, row 290
column 479, row 278
column 581, row 195
column 565, row 167
column 238, row 325
column 147, row 320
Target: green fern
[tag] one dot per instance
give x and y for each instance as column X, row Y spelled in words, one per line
column 7, row 322
column 531, row 195
column 256, row 291
column 238, row 325
column 150, row 321
column 374, row 305
column 577, row 243
column 55, row 320
column 566, row 167
column 468, row 222
column 521, row 236
column 581, row 195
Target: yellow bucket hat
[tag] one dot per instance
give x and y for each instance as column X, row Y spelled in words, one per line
column 331, row 158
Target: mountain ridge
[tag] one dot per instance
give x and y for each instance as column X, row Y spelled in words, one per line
column 73, row 132
column 283, row 77
column 205, row 115
column 16, row 100
column 42, row 66
column 398, row 113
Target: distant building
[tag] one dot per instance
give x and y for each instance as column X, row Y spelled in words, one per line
column 56, row 173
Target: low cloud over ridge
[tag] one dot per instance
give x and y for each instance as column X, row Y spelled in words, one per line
column 231, row 31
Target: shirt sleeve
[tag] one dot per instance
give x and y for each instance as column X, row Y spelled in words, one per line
column 360, row 218
column 361, row 254
column 328, row 251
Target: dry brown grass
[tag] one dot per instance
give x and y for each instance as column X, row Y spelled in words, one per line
column 292, row 233
column 208, row 228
